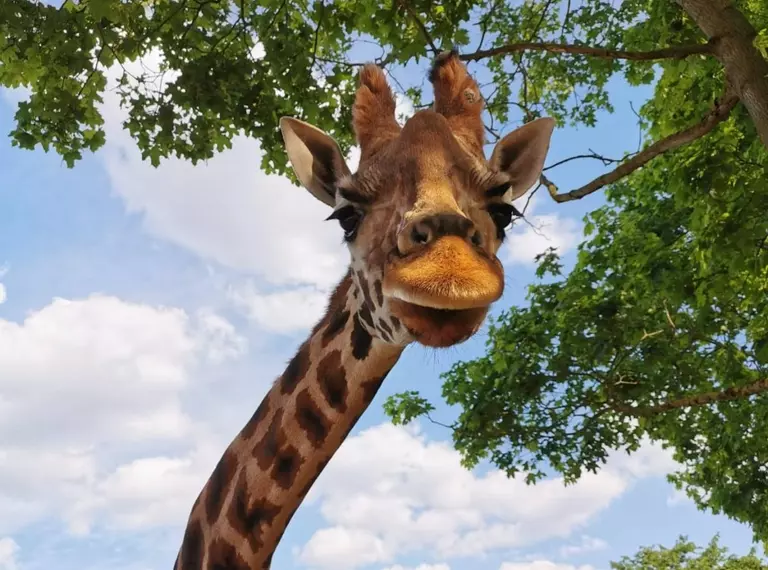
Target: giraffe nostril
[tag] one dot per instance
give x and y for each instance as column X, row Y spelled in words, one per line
column 477, row 239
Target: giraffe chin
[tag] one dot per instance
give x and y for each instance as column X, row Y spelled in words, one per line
column 438, row 328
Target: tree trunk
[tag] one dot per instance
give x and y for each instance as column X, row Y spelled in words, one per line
column 732, row 36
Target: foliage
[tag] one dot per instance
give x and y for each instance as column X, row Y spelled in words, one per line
column 660, row 330
column 231, row 67
column 685, row 555
column 665, row 311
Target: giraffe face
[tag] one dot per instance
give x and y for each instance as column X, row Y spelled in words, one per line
column 425, row 213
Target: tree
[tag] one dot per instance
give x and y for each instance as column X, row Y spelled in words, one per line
column 660, row 329
column 685, row 555
column 240, row 64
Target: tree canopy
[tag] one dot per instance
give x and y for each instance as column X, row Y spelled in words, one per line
column 659, row 330
column 685, row 555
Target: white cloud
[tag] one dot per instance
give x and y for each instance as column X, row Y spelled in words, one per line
column 404, row 109
column 226, row 209
column 284, row 311
column 148, row 492
column 130, row 359
column 8, row 551
column 678, row 497
column 542, row 565
column 397, row 492
column 88, row 390
column 344, row 548
column 529, row 238
column 3, row 290
column 219, row 337
column 353, row 158
column 420, row 567
column 586, row 544
column 15, row 95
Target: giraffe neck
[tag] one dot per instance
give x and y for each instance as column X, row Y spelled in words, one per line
column 263, row 476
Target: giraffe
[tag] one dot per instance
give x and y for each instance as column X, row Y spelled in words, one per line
column 423, row 218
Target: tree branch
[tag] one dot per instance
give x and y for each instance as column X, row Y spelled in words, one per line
column 696, row 400
column 717, row 115
column 420, row 24
column 731, row 36
column 317, row 34
column 677, row 52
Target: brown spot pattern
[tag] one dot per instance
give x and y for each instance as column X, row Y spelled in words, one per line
column 379, row 292
column 311, row 419
column 352, row 424
column 246, row 516
column 219, row 483
column 361, row 340
column 191, row 553
column 197, row 502
column 296, row 370
column 308, row 486
column 286, row 466
column 370, row 388
column 336, row 324
column 266, row 449
column 223, row 556
column 333, row 381
column 366, row 287
column 385, row 327
column 365, row 314
column 258, row 416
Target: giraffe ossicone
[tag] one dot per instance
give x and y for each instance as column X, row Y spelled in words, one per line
column 423, row 218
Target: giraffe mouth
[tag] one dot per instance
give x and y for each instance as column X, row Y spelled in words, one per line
column 449, row 275
column 438, row 328
column 443, row 293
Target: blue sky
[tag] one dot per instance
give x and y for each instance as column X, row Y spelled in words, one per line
column 143, row 318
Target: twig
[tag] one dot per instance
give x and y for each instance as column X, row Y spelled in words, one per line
column 716, row 116
column 604, row 159
column 646, row 335
column 537, row 27
column 340, row 62
column 696, row 400
column 92, row 73
column 317, row 34
column 530, row 198
column 420, row 24
column 484, row 24
column 669, row 317
column 677, row 52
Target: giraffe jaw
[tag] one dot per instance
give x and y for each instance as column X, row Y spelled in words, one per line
column 442, row 294
column 438, row 328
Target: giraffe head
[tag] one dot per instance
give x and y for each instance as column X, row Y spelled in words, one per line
column 426, row 212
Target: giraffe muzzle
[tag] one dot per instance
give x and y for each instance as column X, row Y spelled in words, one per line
column 450, row 274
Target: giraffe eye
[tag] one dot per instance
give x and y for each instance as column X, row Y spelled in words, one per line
column 502, row 214
column 349, row 218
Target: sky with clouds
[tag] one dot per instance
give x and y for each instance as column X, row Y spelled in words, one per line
column 145, row 311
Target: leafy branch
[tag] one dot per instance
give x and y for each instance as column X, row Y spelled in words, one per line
column 695, row 400
column 676, row 52
column 427, row 36
column 717, row 115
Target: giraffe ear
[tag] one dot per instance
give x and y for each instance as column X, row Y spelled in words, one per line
column 521, row 154
column 315, row 157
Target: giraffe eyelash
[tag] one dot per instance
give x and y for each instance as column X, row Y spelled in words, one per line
column 499, row 190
